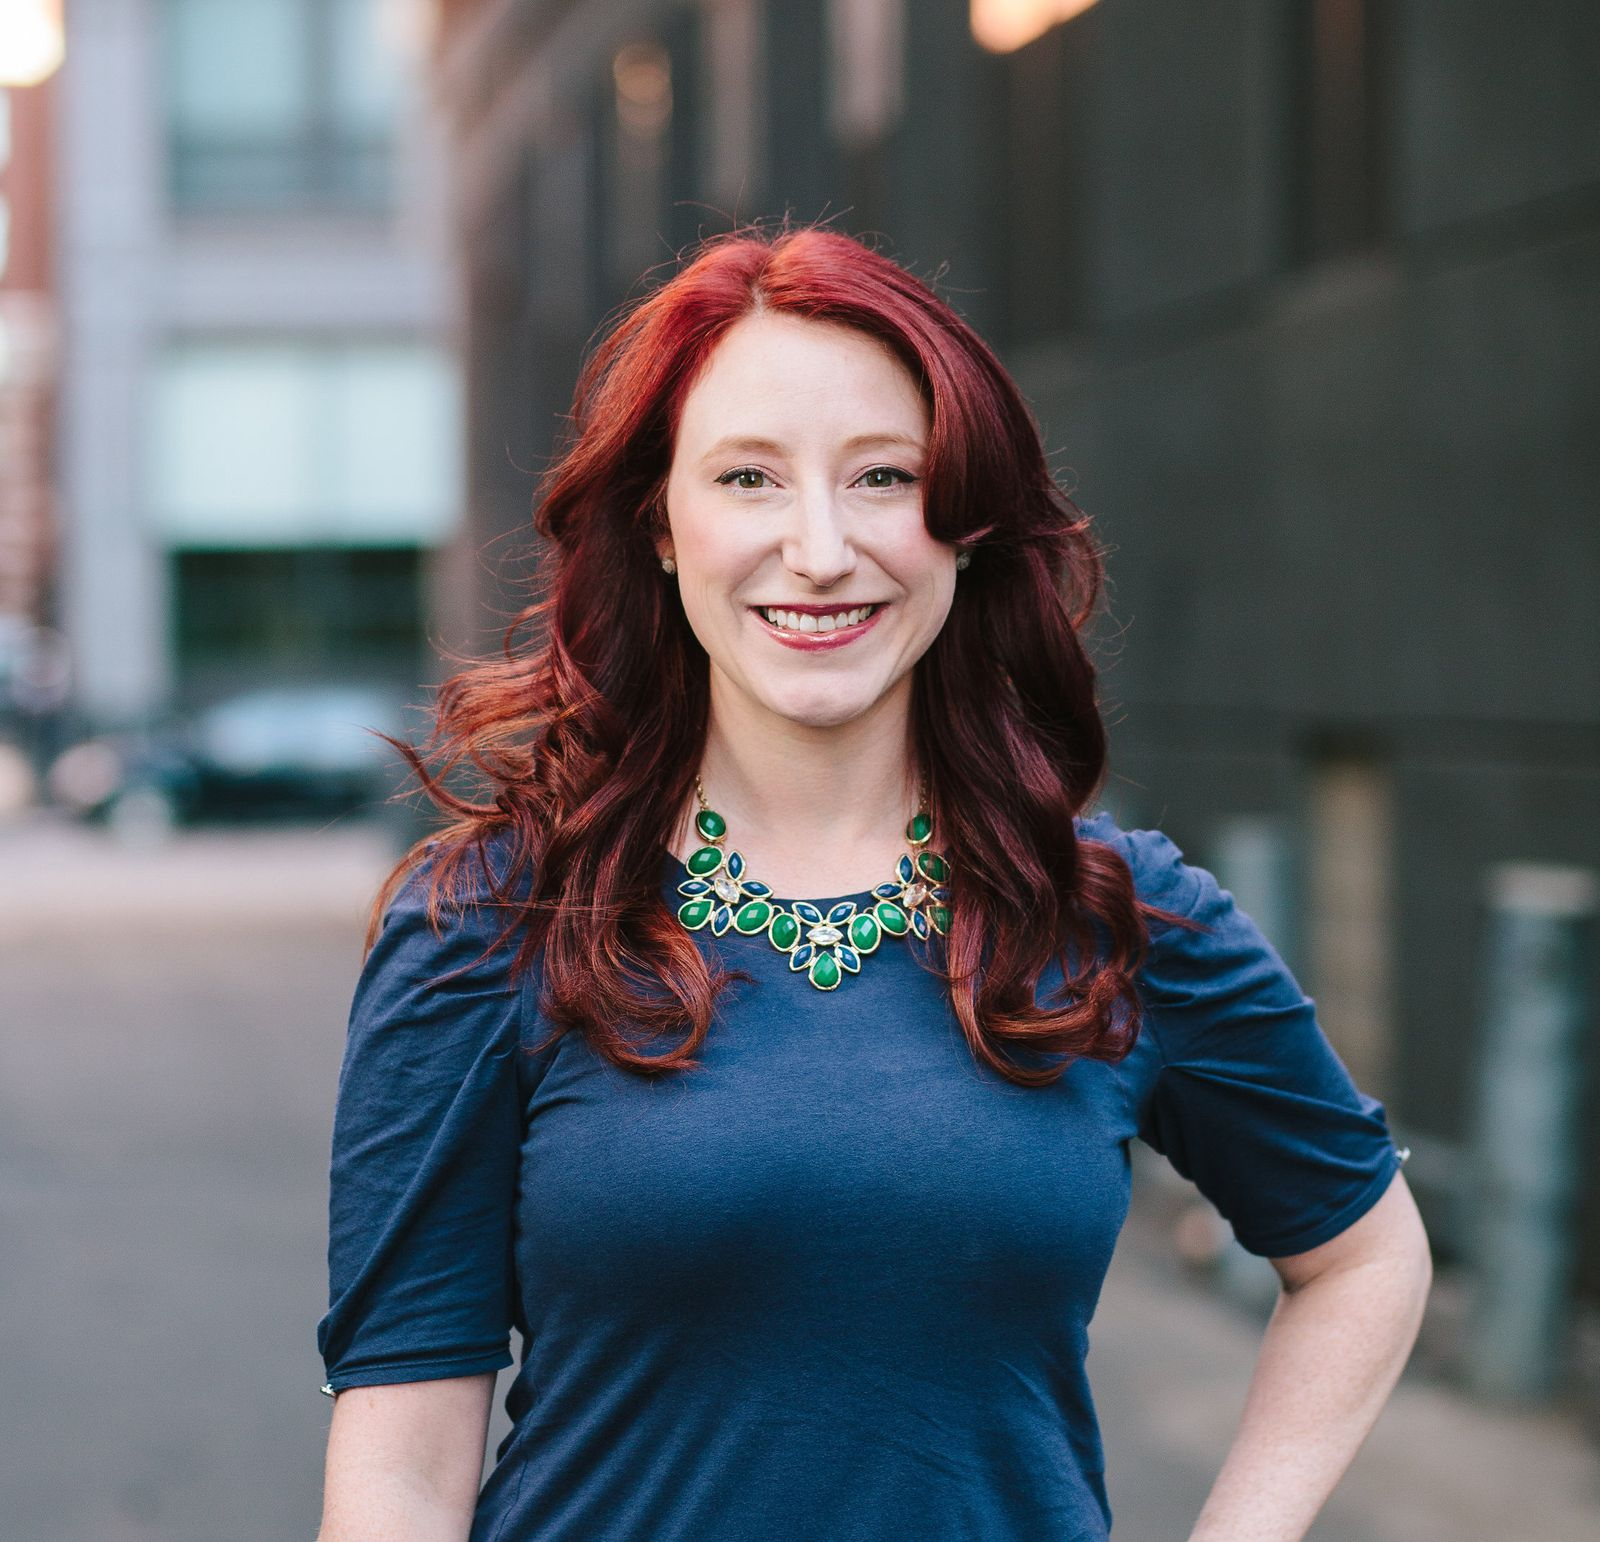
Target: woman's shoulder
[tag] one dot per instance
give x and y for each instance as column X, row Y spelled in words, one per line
column 463, row 871
column 1161, row 875
column 440, row 987
column 1214, row 950
column 458, row 902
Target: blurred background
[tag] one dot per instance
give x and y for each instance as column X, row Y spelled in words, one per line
column 292, row 295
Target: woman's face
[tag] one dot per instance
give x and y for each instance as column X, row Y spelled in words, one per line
column 794, row 504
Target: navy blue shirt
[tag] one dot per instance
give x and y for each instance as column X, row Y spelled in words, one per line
column 838, row 1283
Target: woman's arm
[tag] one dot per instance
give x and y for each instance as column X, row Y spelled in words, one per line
column 1338, row 1339
column 405, row 1461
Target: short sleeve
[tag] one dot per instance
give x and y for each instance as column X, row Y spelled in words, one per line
column 1250, row 1101
column 426, row 1139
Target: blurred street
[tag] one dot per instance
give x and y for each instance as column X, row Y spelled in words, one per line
column 172, row 1025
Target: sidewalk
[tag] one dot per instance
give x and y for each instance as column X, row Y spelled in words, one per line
column 58, row 876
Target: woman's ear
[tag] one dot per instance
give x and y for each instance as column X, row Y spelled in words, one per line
column 662, row 536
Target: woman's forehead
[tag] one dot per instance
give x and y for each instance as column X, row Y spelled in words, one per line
column 778, row 382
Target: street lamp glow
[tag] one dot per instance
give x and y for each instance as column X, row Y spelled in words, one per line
column 1003, row 26
column 32, row 43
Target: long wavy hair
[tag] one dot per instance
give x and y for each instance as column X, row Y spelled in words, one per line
column 581, row 742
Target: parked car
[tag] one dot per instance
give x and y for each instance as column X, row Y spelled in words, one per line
column 270, row 753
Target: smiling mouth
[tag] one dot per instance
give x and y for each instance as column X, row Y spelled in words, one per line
column 815, row 619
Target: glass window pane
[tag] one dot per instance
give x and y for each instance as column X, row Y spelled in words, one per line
column 238, row 68
column 277, row 444
column 395, row 418
column 296, row 614
column 231, row 461
column 368, row 65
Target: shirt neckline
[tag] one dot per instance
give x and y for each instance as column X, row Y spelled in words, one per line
column 678, row 872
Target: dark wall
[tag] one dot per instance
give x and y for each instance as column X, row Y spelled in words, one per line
column 1307, row 299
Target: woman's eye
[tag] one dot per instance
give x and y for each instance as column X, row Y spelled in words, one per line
column 748, row 479
column 895, row 475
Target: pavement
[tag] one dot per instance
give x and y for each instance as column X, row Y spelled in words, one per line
column 171, row 1021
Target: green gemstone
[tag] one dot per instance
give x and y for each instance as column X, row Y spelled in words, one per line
column 711, row 825
column 864, row 932
column 933, row 866
column 940, row 916
column 920, row 828
column 704, row 862
column 696, row 913
column 891, row 918
column 825, row 971
column 752, row 916
column 784, row 931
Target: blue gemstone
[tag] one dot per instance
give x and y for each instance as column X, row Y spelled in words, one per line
column 842, row 911
column 941, row 894
column 801, row 956
column 808, row 912
column 887, row 891
column 735, row 864
column 919, row 923
column 760, row 890
column 722, row 919
column 904, row 868
column 848, row 958
column 694, row 886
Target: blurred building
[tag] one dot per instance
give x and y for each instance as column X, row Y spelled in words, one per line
column 27, row 352
column 1307, row 297
column 259, row 456
column 31, row 653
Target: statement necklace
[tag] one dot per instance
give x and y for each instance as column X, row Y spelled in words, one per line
column 721, row 895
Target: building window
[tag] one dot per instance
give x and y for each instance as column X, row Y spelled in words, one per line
column 296, row 615
column 298, row 488
column 256, row 445
column 282, row 103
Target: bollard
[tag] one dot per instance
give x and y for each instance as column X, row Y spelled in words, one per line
column 1251, row 858
column 1526, row 1141
column 1254, row 862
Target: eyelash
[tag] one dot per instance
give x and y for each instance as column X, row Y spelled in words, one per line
column 727, row 478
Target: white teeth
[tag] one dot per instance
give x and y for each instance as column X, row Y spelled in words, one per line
column 797, row 621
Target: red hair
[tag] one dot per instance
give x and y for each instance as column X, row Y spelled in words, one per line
column 587, row 739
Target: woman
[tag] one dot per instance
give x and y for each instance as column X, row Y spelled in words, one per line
column 766, row 1041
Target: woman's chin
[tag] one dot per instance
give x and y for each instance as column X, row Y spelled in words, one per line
column 820, row 708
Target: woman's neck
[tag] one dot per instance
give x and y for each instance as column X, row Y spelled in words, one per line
column 815, row 811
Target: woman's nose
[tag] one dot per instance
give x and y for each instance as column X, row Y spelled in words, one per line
column 819, row 549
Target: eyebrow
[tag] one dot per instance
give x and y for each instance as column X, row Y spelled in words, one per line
column 755, row 444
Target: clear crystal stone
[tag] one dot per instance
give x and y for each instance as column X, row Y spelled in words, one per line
column 726, row 889
column 824, row 936
column 915, row 895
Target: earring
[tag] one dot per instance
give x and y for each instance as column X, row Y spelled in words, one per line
column 668, row 565
column 963, row 561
